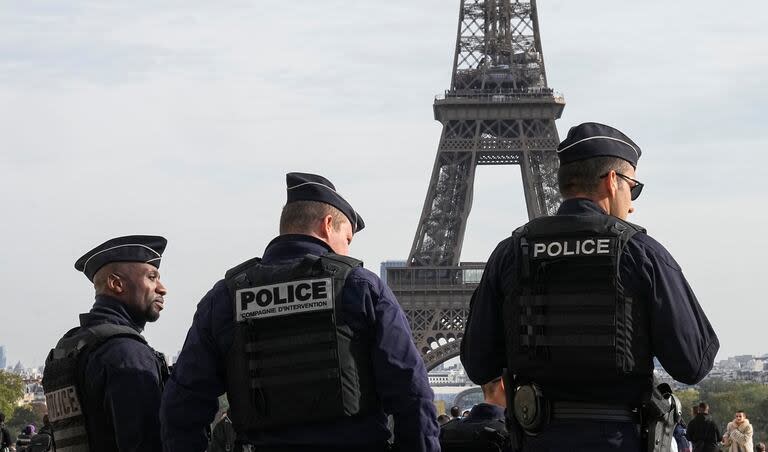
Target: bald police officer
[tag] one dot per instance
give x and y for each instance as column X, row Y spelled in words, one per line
column 576, row 306
column 102, row 380
column 312, row 349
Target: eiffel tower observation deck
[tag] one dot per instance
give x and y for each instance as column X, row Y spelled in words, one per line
column 499, row 110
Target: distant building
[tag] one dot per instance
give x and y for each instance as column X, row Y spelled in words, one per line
column 448, row 375
column 389, row 264
column 2, row 357
column 33, row 392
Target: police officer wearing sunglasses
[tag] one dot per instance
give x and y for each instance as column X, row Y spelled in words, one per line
column 575, row 307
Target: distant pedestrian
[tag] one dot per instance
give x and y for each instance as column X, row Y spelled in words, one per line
column 738, row 434
column 703, row 431
column 443, row 419
column 5, row 436
column 484, row 428
column 683, row 445
column 455, row 412
column 23, row 440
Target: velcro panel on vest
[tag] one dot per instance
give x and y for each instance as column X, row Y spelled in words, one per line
column 568, row 311
column 289, row 351
column 62, row 381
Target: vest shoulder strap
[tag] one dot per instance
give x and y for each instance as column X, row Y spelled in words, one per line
column 233, row 272
column 91, row 337
column 350, row 262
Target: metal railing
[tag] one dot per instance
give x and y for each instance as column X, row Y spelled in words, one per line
column 500, row 96
column 466, row 276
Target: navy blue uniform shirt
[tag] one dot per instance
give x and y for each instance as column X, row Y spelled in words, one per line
column 681, row 336
column 199, row 376
column 123, row 385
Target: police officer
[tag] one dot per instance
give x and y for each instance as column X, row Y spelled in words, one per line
column 484, row 428
column 576, row 305
column 103, row 381
column 312, row 349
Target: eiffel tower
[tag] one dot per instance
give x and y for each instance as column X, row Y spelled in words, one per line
column 498, row 111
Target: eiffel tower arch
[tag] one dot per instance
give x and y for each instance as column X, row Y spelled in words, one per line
column 499, row 110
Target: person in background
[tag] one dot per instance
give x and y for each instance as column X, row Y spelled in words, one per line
column 443, row 419
column 483, row 427
column 23, row 440
column 738, row 434
column 683, row 445
column 703, row 432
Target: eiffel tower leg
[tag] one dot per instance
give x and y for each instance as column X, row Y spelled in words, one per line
column 443, row 220
column 538, row 167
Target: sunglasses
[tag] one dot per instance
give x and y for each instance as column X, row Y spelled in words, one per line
column 634, row 190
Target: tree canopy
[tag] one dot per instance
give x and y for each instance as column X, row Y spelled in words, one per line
column 11, row 390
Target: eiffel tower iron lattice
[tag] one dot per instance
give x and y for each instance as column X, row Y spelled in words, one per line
column 498, row 111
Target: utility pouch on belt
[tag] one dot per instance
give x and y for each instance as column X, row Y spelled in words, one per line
column 530, row 408
column 661, row 412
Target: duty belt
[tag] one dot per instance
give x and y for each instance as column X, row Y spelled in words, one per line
column 593, row 412
column 533, row 410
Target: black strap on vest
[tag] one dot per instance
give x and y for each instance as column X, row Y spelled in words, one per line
column 285, row 356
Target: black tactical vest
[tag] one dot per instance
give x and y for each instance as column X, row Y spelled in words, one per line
column 63, row 383
column 292, row 356
column 568, row 318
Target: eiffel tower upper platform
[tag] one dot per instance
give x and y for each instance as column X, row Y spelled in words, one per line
column 498, row 111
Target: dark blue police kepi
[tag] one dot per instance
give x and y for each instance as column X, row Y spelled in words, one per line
column 311, row 187
column 591, row 139
column 131, row 248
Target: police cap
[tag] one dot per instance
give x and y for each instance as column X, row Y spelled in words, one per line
column 590, row 139
column 131, row 248
column 311, row 187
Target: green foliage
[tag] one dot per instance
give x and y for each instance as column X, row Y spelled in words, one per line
column 23, row 416
column 726, row 397
column 11, row 390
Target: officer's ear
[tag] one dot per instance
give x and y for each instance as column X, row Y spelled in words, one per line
column 115, row 283
column 611, row 184
column 326, row 225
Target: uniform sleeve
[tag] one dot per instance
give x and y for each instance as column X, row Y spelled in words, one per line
column 399, row 372
column 190, row 399
column 132, row 390
column 482, row 348
column 682, row 337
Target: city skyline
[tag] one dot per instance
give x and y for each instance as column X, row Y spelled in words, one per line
column 182, row 119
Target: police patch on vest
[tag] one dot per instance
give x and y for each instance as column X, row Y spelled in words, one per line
column 295, row 297
column 591, row 246
column 62, row 404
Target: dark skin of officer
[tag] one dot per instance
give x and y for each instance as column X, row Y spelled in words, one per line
column 136, row 284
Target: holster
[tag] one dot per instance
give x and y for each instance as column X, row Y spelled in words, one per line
column 661, row 411
column 514, row 429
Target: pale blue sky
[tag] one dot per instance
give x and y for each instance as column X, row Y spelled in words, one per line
column 181, row 118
